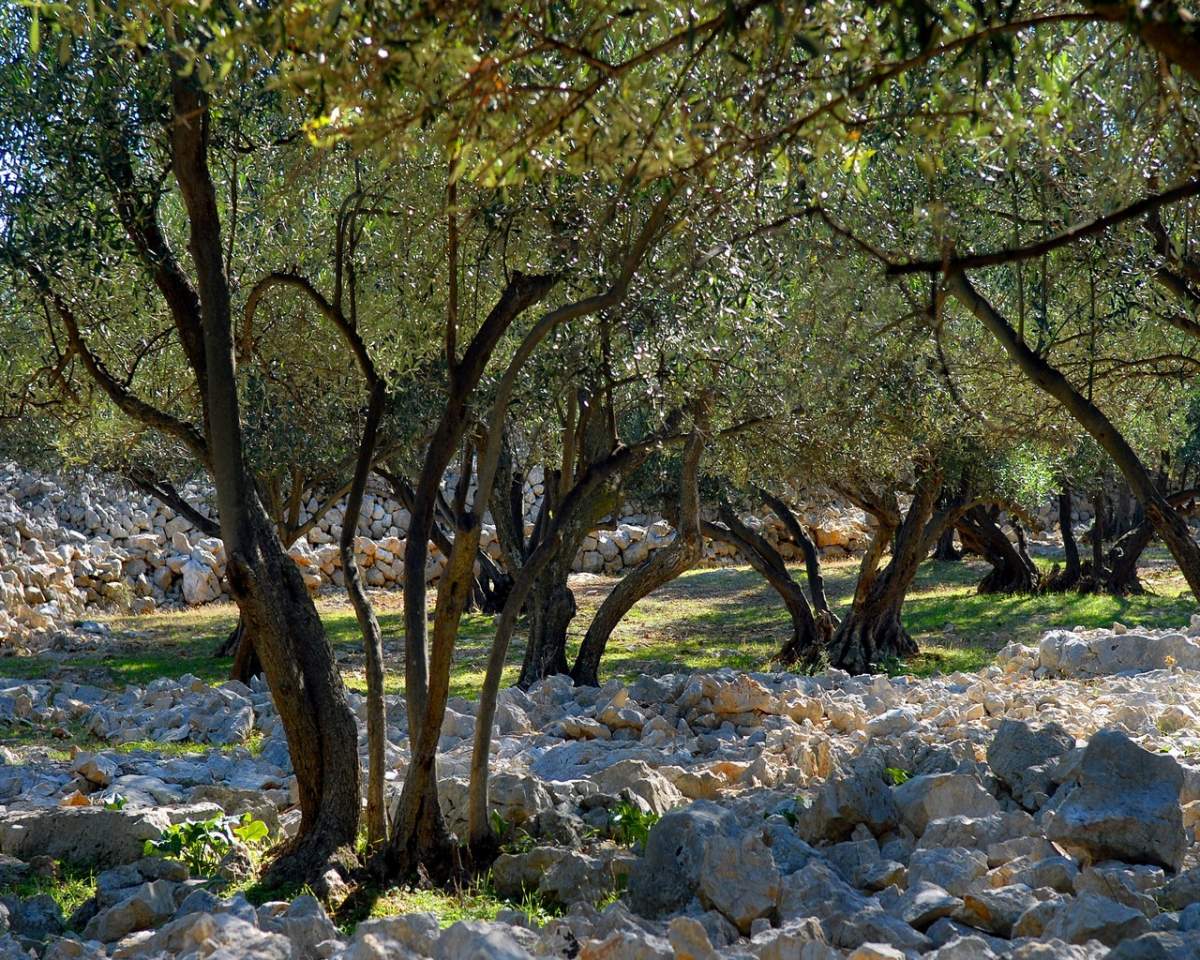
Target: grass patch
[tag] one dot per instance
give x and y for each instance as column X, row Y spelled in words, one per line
column 70, row 889
column 476, row 901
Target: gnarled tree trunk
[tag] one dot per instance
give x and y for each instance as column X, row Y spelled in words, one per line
column 946, row 551
column 806, row 642
column 598, row 477
column 1166, row 521
column 1012, row 570
column 872, row 632
column 826, row 620
column 1121, row 576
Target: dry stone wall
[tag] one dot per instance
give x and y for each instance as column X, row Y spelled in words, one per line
column 88, row 544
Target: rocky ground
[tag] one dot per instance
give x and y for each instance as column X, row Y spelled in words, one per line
column 1044, row 807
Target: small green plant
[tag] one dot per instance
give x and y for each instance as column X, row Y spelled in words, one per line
column 630, row 824
column 500, row 827
column 791, row 811
column 538, row 909
column 116, row 803
column 201, row 844
column 896, row 775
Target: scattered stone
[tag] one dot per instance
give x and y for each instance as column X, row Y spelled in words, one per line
column 1123, row 805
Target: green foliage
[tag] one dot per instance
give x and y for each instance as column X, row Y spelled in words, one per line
column 896, row 775
column 792, row 810
column 202, row 844
column 630, row 825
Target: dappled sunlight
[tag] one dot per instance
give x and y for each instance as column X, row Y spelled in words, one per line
column 706, row 619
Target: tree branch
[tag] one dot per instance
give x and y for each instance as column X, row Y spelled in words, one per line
column 970, row 261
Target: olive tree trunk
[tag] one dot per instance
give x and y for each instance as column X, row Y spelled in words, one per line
column 826, row 619
column 663, row 566
column 1072, row 571
column 1012, row 570
column 368, row 624
column 600, row 476
column 872, row 631
column 288, row 634
column 945, row 551
column 804, row 646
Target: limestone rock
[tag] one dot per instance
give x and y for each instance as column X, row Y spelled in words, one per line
column 1019, row 754
column 938, row 795
column 1092, row 917
column 81, row 834
column 1123, row 805
column 738, row 878
column 669, row 874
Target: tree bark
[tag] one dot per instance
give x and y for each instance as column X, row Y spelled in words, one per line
column 1097, row 538
column 872, row 632
column 368, row 623
column 1121, row 578
column 1073, row 570
column 663, row 566
column 246, row 663
column 812, row 558
column 270, row 592
column 1168, row 524
column 420, row 840
column 1011, row 571
column 551, row 609
column 946, row 551
column 598, row 477
column 804, row 646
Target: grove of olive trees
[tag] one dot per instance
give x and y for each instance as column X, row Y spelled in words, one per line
column 647, row 480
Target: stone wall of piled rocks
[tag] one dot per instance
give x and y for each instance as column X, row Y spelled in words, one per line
column 86, row 544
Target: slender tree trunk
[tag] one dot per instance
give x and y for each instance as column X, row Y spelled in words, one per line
column 270, row 592
column 663, row 566
column 364, row 612
column 1098, row 534
column 1073, row 570
column 1167, row 522
column 420, row 840
column 812, row 558
column 1011, row 571
column 574, row 505
column 868, row 567
column 1023, row 553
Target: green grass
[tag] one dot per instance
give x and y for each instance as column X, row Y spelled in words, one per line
column 706, row 619
column 475, row 902
column 70, row 889
column 57, row 743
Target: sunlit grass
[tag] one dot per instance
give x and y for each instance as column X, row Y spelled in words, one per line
column 704, row 620
column 69, row 889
